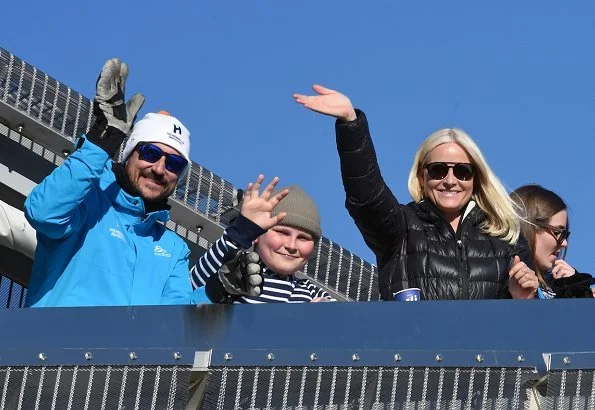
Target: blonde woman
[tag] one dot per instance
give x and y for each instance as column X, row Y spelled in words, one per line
column 458, row 239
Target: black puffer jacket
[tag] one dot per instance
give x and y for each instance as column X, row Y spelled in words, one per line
column 414, row 245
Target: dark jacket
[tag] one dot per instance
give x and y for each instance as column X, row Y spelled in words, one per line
column 414, row 245
column 575, row 286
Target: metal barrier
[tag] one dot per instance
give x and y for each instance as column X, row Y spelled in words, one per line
column 44, row 116
column 367, row 388
column 12, row 294
column 431, row 355
column 94, row 387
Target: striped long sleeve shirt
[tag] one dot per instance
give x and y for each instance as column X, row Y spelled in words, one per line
column 276, row 289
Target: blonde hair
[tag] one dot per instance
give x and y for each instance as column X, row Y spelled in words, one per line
column 488, row 192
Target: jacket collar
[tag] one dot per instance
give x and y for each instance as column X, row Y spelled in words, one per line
column 472, row 213
column 116, row 186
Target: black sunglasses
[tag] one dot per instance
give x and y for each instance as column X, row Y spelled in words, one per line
column 561, row 234
column 152, row 153
column 439, row 170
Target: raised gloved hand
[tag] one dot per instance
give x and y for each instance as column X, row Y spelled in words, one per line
column 114, row 118
column 242, row 275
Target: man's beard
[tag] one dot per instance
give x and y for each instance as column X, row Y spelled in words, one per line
column 151, row 204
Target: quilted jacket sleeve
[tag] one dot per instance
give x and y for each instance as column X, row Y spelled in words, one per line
column 370, row 202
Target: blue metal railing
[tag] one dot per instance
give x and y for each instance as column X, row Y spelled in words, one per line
column 479, row 354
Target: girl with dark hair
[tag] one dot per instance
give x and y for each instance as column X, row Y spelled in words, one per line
column 545, row 226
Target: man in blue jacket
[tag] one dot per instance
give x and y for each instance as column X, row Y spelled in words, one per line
column 100, row 240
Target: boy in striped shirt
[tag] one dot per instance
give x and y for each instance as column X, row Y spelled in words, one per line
column 282, row 227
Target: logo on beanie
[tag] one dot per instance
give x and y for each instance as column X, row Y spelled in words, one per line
column 176, row 138
column 177, row 129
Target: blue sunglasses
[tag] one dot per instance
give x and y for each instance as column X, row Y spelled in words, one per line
column 152, row 153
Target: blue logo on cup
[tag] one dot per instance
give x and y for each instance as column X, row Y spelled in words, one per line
column 408, row 295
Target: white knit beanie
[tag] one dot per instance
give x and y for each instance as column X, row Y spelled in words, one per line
column 160, row 127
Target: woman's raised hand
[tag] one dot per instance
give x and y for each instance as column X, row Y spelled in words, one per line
column 328, row 102
column 258, row 207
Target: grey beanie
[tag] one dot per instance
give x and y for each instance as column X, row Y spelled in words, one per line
column 302, row 212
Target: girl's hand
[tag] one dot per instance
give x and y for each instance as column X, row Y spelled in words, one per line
column 562, row 269
column 522, row 282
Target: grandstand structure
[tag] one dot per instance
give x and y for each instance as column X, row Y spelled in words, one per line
column 425, row 355
column 39, row 120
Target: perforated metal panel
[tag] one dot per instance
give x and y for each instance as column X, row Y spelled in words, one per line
column 94, row 387
column 367, row 388
column 342, row 272
column 569, row 389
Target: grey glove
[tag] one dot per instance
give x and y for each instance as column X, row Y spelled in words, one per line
column 114, row 118
column 242, row 275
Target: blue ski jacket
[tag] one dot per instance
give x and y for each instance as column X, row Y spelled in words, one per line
column 96, row 245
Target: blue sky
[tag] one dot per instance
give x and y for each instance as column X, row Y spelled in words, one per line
column 519, row 77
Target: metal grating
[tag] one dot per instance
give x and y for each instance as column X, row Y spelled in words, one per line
column 12, row 295
column 206, row 193
column 368, row 388
column 94, row 387
column 43, row 98
column 569, row 389
column 342, row 272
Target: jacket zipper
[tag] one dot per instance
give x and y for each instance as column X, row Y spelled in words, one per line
column 464, row 293
column 464, row 271
column 462, row 260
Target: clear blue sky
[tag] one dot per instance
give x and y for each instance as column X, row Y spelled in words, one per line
column 517, row 76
